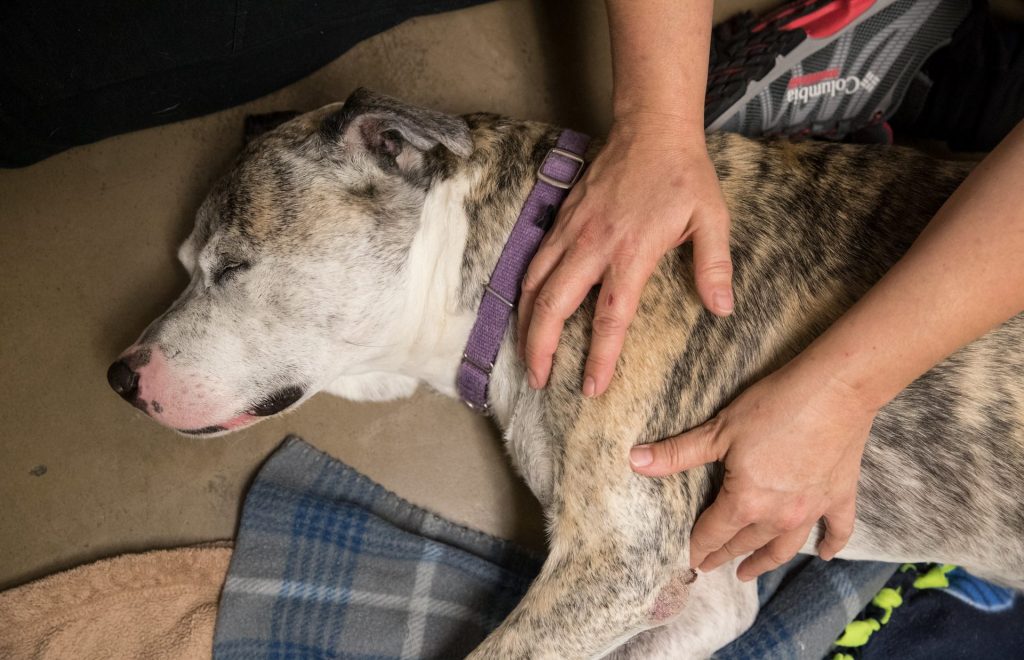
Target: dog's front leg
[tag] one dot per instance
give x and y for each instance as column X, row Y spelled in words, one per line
column 617, row 566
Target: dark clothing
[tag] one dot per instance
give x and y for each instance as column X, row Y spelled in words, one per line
column 977, row 86
column 75, row 73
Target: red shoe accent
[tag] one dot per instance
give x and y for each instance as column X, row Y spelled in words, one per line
column 812, row 78
column 831, row 18
column 781, row 13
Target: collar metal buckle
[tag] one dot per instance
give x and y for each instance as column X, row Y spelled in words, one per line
column 564, row 185
column 479, row 367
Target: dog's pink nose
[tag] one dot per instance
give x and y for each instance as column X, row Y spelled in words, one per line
column 124, row 380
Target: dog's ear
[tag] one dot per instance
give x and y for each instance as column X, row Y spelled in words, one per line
column 257, row 125
column 391, row 129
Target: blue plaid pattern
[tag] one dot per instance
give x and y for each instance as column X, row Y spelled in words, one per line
column 805, row 605
column 329, row 564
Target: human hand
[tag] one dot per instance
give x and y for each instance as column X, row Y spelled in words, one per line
column 649, row 189
column 792, row 445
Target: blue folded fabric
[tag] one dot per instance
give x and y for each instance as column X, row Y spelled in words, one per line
column 962, row 616
column 329, row 564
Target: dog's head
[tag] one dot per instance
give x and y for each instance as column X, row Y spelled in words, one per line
column 297, row 263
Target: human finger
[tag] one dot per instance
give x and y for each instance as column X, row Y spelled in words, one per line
column 712, row 262
column 616, row 308
column 747, row 540
column 775, row 554
column 560, row 296
column 547, row 258
column 719, row 523
column 685, row 451
column 838, row 527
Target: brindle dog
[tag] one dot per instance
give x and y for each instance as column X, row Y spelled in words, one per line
column 347, row 251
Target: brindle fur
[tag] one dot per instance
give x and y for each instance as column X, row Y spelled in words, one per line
column 814, row 225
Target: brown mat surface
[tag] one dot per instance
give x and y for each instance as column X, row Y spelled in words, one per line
column 158, row 604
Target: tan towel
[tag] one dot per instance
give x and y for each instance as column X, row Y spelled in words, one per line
column 159, row 604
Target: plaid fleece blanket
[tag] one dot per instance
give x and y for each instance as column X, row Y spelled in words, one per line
column 329, row 564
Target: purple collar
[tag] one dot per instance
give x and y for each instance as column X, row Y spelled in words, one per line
column 557, row 174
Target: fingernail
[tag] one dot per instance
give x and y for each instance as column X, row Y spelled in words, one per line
column 589, row 387
column 641, row 456
column 532, row 379
column 744, row 577
column 722, row 300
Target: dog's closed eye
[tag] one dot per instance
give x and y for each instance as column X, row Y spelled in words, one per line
column 227, row 270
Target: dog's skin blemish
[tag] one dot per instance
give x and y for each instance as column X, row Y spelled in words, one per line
column 38, row 471
column 670, row 600
column 157, row 408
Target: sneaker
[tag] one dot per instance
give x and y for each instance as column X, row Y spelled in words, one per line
column 827, row 68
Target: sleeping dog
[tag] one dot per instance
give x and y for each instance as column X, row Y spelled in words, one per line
column 348, row 249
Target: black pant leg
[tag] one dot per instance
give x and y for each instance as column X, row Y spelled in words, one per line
column 76, row 72
column 977, row 85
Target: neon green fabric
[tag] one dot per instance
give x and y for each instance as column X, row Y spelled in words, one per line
column 858, row 633
column 887, row 599
column 935, row 578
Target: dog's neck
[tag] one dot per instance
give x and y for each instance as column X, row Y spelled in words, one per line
column 465, row 222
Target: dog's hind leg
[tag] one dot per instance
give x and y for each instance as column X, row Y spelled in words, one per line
column 588, row 599
column 719, row 608
column 618, row 563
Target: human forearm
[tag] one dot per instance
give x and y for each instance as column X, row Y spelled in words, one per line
column 660, row 59
column 963, row 276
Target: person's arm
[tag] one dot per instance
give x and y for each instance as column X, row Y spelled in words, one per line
column 651, row 188
column 792, row 443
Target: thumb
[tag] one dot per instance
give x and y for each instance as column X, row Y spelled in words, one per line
column 712, row 265
column 682, row 452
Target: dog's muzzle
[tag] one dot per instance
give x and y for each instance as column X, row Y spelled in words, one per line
column 132, row 377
